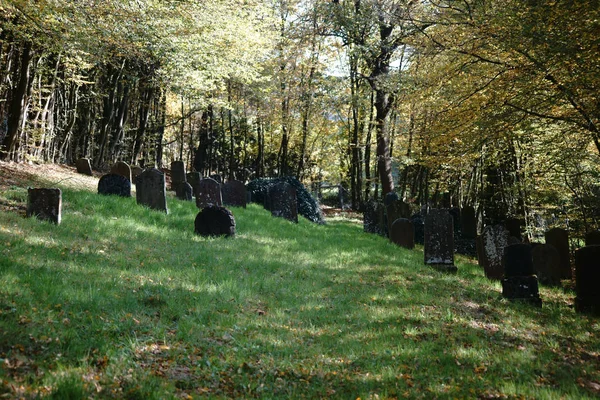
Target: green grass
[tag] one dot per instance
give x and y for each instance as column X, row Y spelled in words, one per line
column 120, row 301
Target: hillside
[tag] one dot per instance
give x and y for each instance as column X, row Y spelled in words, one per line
column 119, row 301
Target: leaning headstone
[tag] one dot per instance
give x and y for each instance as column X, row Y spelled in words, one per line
column 519, row 282
column 592, row 238
column 283, row 201
column 215, row 221
column 234, row 194
column 121, row 168
column 468, row 222
column 587, row 279
column 559, row 238
column 45, row 204
column 151, row 190
column 438, row 244
column 402, row 233
column 114, row 184
column 208, row 193
column 396, row 209
column 184, row 191
column 493, row 241
column 177, row 174
column 135, row 172
column 546, row 264
column 194, row 178
column 84, row 166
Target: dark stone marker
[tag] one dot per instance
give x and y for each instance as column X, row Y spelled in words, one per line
column 194, row 178
column 283, row 201
column 390, row 197
column 374, row 218
column 439, row 240
column 208, row 193
column 234, row 194
column 468, row 222
column 518, row 260
column 513, row 225
column 587, row 276
column 559, row 238
column 121, row 168
column 592, row 238
column 215, row 221
column 493, row 241
column 396, row 209
column 84, row 166
column 184, row 191
column 546, row 264
column 114, row 184
column 135, row 172
column 402, row 233
column 45, row 204
column 217, row 178
column 152, row 190
column 523, row 288
column 177, row 174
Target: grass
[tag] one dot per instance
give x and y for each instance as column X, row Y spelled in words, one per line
column 119, row 301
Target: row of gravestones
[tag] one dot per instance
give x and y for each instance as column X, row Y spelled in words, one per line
column 500, row 253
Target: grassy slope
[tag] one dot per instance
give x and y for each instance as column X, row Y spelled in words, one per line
column 120, row 301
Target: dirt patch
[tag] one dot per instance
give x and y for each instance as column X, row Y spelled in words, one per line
column 23, row 175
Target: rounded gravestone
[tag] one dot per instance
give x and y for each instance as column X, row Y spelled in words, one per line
column 215, row 221
column 121, row 168
column 84, row 166
column 114, row 184
column 402, row 233
column 135, row 172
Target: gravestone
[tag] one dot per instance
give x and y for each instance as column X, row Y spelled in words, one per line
column 135, row 172
column 587, row 279
column 513, row 225
column 519, row 282
column 390, row 197
column 418, row 221
column 283, row 202
column 592, row 238
column 468, row 222
column 121, row 168
column 177, row 174
column 374, row 218
column 438, row 245
column 214, row 221
column 559, row 238
column 234, row 194
column 396, row 209
column 546, row 264
column 184, row 191
column 114, row 184
column 194, row 178
column 208, row 193
column 493, row 241
column 151, row 190
column 217, row 178
column 44, row 204
column 402, row 233
column 84, row 166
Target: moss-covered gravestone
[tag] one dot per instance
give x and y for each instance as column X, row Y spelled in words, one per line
column 493, row 241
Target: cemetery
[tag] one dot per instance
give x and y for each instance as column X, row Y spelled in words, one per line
column 139, row 301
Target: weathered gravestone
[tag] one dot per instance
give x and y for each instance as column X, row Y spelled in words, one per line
column 587, row 279
column 215, row 221
column 374, row 218
column 194, row 178
column 559, row 238
column 493, row 241
column 519, row 282
column 177, row 174
column 84, row 166
column 234, row 194
column 135, row 172
column 151, row 190
column 208, row 193
column 114, row 184
column 592, row 238
column 546, row 264
column 438, row 245
column 396, row 209
column 121, row 168
column 184, row 191
column 45, row 204
column 283, row 202
column 402, row 233
column 468, row 222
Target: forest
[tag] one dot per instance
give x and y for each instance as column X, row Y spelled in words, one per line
column 491, row 104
